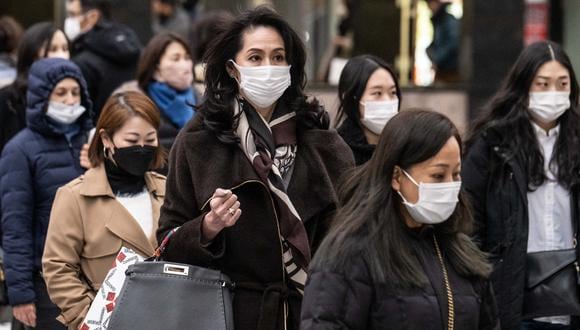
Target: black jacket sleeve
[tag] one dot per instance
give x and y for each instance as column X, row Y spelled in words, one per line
column 337, row 300
column 488, row 314
column 475, row 176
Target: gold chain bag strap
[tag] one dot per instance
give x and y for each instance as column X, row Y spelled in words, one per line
column 450, row 304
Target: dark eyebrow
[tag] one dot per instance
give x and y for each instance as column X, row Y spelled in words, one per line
column 547, row 78
column 255, row 50
column 440, row 165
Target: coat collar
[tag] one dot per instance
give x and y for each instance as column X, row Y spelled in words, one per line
column 95, row 183
column 117, row 219
column 494, row 139
column 309, row 167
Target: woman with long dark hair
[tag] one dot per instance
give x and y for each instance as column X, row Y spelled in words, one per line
column 398, row 255
column 41, row 40
column 522, row 171
column 369, row 96
column 252, row 178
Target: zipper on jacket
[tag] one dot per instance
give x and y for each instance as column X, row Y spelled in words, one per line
column 279, row 237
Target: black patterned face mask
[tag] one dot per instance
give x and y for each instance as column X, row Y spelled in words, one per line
column 135, row 160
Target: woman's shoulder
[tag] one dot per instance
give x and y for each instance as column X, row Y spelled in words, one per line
column 25, row 140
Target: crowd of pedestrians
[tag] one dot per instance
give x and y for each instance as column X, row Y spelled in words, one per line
column 389, row 221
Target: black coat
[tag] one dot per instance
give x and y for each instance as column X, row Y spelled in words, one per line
column 497, row 185
column 248, row 252
column 350, row 299
column 107, row 55
column 353, row 135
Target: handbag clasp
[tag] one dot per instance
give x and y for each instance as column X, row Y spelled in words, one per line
column 176, row 269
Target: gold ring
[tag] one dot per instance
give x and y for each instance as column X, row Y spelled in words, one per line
column 231, row 211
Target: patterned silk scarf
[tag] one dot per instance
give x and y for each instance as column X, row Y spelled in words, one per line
column 271, row 148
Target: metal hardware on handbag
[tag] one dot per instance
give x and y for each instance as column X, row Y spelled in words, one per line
column 169, row 295
column 175, row 269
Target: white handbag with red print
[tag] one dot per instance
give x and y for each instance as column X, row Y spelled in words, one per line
column 102, row 307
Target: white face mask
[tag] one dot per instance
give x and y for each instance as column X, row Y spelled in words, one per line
column 72, row 27
column 436, row 202
column 64, row 114
column 547, row 107
column 263, row 85
column 378, row 113
column 178, row 75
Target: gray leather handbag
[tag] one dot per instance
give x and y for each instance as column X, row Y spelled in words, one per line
column 169, row 295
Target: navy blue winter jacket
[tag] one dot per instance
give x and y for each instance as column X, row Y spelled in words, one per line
column 37, row 161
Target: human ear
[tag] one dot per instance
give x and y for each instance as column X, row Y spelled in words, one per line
column 232, row 72
column 107, row 142
column 396, row 180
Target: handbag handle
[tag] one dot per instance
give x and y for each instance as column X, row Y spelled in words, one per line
column 164, row 243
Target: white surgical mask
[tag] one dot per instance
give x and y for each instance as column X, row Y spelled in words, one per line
column 436, row 202
column 72, row 27
column 547, row 107
column 263, row 85
column 378, row 113
column 178, row 75
column 63, row 113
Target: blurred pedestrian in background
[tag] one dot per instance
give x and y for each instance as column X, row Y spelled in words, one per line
column 398, row 255
column 521, row 171
column 444, row 50
column 10, row 34
column 34, row 164
column 106, row 52
column 261, row 153
column 41, row 40
column 205, row 29
column 369, row 96
column 169, row 16
column 165, row 74
column 115, row 203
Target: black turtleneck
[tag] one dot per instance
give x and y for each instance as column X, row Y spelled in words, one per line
column 122, row 182
column 354, row 136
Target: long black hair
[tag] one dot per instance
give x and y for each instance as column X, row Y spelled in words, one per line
column 352, row 84
column 35, row 37
column 507, row 113
column 370, row 221
column 222, row 90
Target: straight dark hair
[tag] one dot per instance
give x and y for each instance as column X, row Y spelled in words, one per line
column 34, row 38
column 370, row 221
column 222, row 90
column 353, row 82
column 507, row 113
column 151, row 56
column 105, row 7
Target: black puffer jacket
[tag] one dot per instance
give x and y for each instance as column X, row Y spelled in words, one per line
column 497, row 185
column 107, row 56
column 351, row 300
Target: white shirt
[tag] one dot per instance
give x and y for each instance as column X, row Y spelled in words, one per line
column 549, row 210
column 139, row 206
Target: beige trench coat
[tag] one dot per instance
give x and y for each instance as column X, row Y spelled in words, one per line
column 87, row 228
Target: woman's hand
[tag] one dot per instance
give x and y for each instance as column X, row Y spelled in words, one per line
column 225, row 212
column 84, row 157
column 26, row 314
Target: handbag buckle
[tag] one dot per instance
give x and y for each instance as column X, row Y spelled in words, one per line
column 176, row 269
